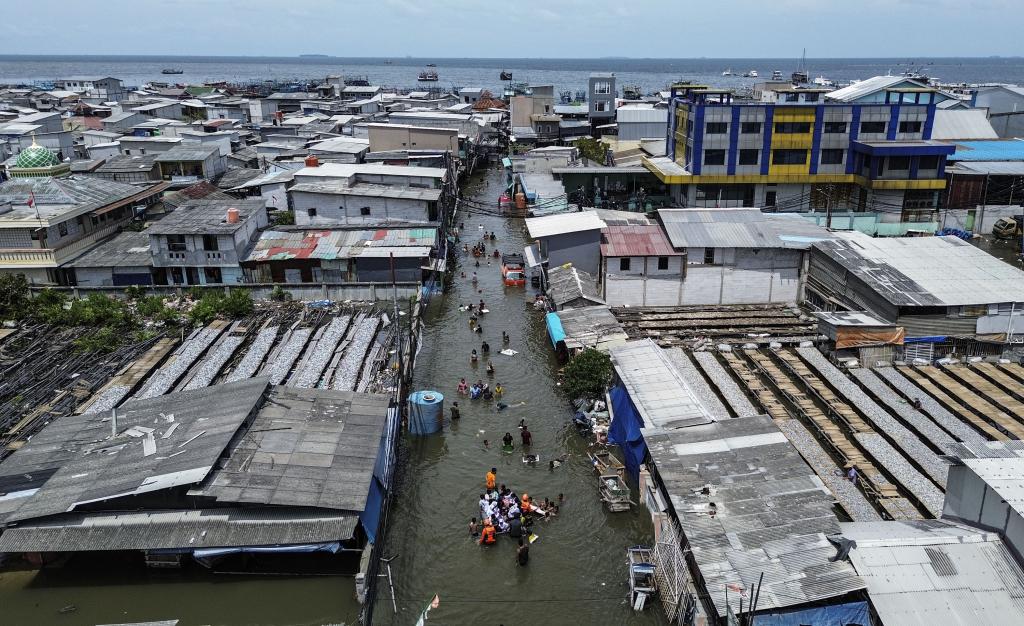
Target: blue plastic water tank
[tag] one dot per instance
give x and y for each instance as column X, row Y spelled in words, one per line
column 426, row 412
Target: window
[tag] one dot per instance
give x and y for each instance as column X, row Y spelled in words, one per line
column 176, row 243
column 792, row 97
column 872, row 128
column 714, row 157
column 624, row 264
column 210, row 242
column 792, row 128
column 898, row 163
column 663, row 263
column 213, row 275
column 602, row 87
column 62, row 229
column 717, row 128
column 789, row 157
column 834, row 128
column 601, row 105
column 689, row 126
column 770, row 198
column 811, row 97
column 364, row 211
column 715, row 195
column 831, row 157
column 919, row 199
column 750, row 128
column 748, row 157
column 709, row 256
column 311, row 212
column 928, row 163
column 910, row 127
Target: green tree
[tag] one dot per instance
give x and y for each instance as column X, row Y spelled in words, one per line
column 587, row 374
column 593, row 149
column 13, row 296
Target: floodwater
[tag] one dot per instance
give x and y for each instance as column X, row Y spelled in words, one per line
column 577, row 570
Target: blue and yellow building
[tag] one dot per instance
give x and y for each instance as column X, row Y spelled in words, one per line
column 805, row 149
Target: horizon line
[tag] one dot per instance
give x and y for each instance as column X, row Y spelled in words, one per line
column 313, row 55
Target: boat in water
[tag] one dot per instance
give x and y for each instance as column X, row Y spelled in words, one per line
column 506, row 75
column 614, row 493
column 752, row 74
column 170, row 70
column 728, row 72
column 776, row 75
column 642, row 583
column 606, row 463
column 428, row 76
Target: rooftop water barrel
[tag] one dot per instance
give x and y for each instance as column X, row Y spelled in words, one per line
column 426, row 412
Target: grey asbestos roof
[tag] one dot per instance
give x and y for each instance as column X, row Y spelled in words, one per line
column 739, row 228
column 937, row 573
column 926, row 271
column 74, row 461
column 127, row 249
column 55, row 197
column 307, row 447
column 169, row 529
column 369, row 190
column 127, row 163
column 566, row 284
column 660, row 394
column 206, row 217
column 591, row 327
column 187, row 152
column 771, row 513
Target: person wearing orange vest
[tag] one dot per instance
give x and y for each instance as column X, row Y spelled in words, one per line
column 487, row 534
column 492, row 478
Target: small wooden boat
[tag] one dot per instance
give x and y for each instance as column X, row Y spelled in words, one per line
column 614, row 493
column 642, row 584
column 604, row 462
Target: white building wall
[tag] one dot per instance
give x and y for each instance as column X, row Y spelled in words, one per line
column 333, row 208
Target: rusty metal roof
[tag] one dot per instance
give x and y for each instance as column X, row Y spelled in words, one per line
column 636, row 241
column 281, row 245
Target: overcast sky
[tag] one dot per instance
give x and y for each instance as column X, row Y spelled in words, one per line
column 516, row 28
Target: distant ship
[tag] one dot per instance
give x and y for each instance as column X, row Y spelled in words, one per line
column 506, row 75
column 728, row 72
column 169, row 70
column 428, row 76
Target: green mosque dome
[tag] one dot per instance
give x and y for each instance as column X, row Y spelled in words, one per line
column 36, row 156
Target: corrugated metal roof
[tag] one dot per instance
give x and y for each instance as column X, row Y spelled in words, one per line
column 127, row 249
column 279, row 245
column 366, row 190
column 771, row 513
column 992, row 168
column 76, row 461
column 658, row 391
column 937, row 573
column 1005, row 476
column 563, row 223
column 207, row 217
column 187, row 152
column 591, row 327
column 993, row 150
column 641, row 115
column 926, row 271
column 868, row 86
column 636, row 241
column 193, row 529
column 307, row 448
column 739, row 228
column 962, row 124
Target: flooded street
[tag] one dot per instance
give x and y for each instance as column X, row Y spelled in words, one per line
column 577, row 570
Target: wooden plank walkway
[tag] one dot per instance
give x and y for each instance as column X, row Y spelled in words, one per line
column 770, row 402
column 971, row 399
column 981, row 385
column 875, row 485
column 135, row 373
column 1001, row 377
column 950, row 404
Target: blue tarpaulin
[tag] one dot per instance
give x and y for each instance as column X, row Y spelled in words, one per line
column 936, row 339
column 555, row 330
column 624, row 430
column 848, row 614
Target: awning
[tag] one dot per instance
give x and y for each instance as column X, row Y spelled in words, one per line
column 211, row 553
column 532, row 255
column 555, row 330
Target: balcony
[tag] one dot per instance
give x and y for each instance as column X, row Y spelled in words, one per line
column 50, row 257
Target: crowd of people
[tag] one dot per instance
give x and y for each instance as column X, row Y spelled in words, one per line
column 502, row 512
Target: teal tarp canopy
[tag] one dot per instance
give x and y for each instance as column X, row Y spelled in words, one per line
column 555, row 330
